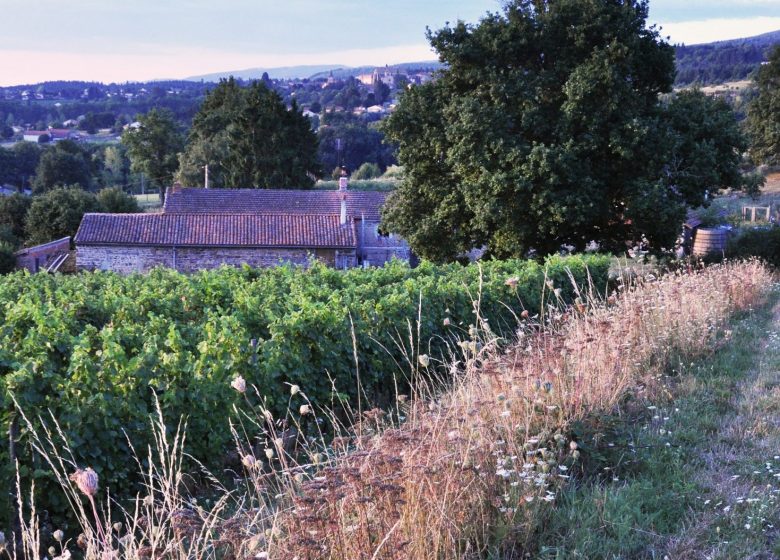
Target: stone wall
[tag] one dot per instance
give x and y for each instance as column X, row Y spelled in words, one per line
column 130, row 259
column 35, row 258
column 376, row 249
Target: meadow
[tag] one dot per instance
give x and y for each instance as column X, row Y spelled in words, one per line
column 484, row 463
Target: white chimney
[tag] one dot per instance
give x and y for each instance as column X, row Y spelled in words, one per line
column 343, row 181
column 343, row 220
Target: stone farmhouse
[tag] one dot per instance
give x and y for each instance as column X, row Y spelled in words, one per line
column 206, row 228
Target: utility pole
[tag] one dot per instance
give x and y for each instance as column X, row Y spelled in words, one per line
column 206, row 170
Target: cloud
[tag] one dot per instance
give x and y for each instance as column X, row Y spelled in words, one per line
column 718, row 29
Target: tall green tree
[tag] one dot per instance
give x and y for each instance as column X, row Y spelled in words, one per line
column 250, row 139
column 57, row 213
column 154, row 147
column 65, row 163
column 27, row 156
column 763, row 120
column 13, row 213
column 545, row 129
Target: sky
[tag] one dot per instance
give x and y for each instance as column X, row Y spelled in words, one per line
column 138, row 40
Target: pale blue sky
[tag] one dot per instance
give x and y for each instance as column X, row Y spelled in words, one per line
column 119, row 40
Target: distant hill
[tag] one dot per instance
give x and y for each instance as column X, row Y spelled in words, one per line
column 280, row 73
column 723, row 61
column 310, row 71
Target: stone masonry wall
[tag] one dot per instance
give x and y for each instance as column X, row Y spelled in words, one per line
column 376, row 249
column 126, row 260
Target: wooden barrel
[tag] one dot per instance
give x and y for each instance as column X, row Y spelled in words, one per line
column 708, row 240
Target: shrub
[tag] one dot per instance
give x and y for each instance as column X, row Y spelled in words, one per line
column 116, row 201
column 7, row 258
column 58, row 213
column 367, row 171
column 759, row 242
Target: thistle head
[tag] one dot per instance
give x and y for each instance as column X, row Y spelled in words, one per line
column 86, row 480
column 239, row 384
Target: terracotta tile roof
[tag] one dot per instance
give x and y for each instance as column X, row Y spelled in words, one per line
column 270, row 201
column 219, row 230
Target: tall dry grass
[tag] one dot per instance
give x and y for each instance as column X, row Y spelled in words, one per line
column 460, row 473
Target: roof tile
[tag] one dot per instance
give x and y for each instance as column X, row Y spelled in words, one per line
column 223, row 230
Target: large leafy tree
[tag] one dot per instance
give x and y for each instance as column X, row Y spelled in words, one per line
column 249, row 138
column 763, row 119
column 57, row 213
column 13, row 212
column 545, row 129
column 63, row 164
column 153, row 148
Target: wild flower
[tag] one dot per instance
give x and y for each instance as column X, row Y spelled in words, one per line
column 249, row 461
column 239, row 384
column 424, row 360
column 269, row 453
column 86, row 480
column 304, row 410
column 294, row 390
column 58, row 535
column 512, row 282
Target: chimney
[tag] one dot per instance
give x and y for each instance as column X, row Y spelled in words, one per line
column 343, row 181
column 343, row 219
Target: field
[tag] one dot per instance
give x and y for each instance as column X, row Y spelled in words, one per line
column 99, row 350
column 555, row 425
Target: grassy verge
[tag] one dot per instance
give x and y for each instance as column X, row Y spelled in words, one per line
column 696, row 475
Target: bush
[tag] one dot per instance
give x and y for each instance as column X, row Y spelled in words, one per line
column 95, row 348
column 116, row 201
column 367, row 171
column 57, row 214
column 758, row 242
column 7, row 258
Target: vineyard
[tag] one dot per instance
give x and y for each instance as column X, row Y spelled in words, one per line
column 94, row 350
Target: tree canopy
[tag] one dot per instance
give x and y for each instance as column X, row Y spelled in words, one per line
column 65, row 163
column 250, row 139
column 57, row 213
column 545, row 129
column 153, row 148
column 763, row 121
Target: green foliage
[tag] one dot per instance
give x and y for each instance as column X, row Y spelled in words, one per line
column 116, row 201
column 249, row 139
column 763, row 121
column 63, row 164
column 723, row 61
column 57, row 214
column 350, row 141
column 366, row 171
column 705, row 145
column 94, row 348
column 7, row 258
column 544, row 130
column 758, row 242
column 154, row 147
column 13, row 213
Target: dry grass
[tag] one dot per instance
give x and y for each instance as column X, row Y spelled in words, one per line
column 466, row 473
